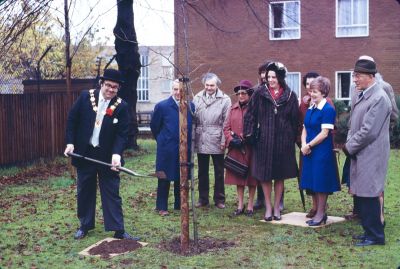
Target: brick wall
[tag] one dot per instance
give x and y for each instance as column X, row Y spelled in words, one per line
column 241, row 44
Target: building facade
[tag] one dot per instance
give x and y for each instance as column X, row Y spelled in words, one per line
column 232, row 38
column 156, row 76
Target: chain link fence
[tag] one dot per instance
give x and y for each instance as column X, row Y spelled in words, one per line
column 11, row 84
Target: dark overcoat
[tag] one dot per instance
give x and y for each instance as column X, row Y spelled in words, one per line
column 274, row 151
column 113, row 135
column 165, row 129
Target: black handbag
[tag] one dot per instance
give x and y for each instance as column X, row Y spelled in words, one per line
column 236, row 167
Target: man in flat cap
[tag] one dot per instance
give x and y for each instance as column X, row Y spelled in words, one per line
column 368, row 146
column 97, row 127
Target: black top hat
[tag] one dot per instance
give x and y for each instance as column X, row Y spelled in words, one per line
column 113, row 75
column 365, row 66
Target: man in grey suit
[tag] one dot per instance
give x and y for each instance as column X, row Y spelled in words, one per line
column 368, row 146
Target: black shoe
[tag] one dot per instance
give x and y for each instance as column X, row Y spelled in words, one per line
column 80, row 234
column 238, row 212
column 249, row 213
column 359, row 237
column 367, row 242
column 277, row 218
column 125, row 235
column 318, row 223
column 268, row 218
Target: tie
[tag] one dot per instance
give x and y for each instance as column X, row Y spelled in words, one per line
column 97, row 125
column 360, row 95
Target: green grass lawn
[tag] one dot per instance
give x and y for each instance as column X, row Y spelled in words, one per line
column 38, row 221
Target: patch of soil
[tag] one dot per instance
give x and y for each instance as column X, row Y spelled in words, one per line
column 36, row 172
column 206, row 244
column 114, row 247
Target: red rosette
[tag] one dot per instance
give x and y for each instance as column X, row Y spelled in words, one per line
column 109, row 112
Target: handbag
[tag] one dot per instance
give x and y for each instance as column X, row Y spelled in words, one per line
column 236, row 167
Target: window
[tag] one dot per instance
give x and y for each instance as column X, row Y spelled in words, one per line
column 293, row 81
column 167, row 75
column 143, row 81
column 284, row 20
column 166, row 85
column 343, row 83
column 352, row 18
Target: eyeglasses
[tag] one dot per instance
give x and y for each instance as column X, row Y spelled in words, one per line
column 241, row 93
column 110, row 86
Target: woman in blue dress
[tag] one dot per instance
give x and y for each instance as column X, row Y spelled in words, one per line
column 319, row 172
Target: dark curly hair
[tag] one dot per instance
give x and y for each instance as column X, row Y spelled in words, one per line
column 280, row 71
column 311, row 74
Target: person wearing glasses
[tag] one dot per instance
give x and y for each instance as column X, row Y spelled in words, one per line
column 97, row 127
column 234, row 141
column 368, row 147
column 271, row 124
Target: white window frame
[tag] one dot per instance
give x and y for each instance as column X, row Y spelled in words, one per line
column 338, row 34
column 166, row 85
column 338, row 94
column 143, row 94
column 272, row 29
column 298, row 90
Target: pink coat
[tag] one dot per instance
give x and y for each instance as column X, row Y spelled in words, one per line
column 234, row 123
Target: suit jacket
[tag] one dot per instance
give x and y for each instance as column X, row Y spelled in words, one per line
column 113, row 135
column 165, row 129
column 368, row 141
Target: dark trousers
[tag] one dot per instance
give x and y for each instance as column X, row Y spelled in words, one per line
column 204, row 179
column 111, row 201
column 356, row 208
column 260, row 194
column 162, row 195
column 370, row 212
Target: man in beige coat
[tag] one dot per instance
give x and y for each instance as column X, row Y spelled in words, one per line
column 212, row 106
column 368, row 146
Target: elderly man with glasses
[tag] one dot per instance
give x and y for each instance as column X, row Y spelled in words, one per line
column 368, row 146
column 97, row 127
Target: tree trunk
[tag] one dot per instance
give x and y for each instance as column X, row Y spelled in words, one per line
column 68, row 62
column 183, row 159
column 68, row 66
column 128, row 60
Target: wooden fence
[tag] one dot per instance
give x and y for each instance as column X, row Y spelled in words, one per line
column 32, row 125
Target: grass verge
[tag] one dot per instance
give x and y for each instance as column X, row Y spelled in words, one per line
column 38, row 220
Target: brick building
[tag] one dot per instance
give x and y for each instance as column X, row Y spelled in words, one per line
column 233, row 37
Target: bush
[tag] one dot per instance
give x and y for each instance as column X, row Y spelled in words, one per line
column 342, row 119
column 395, row 129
